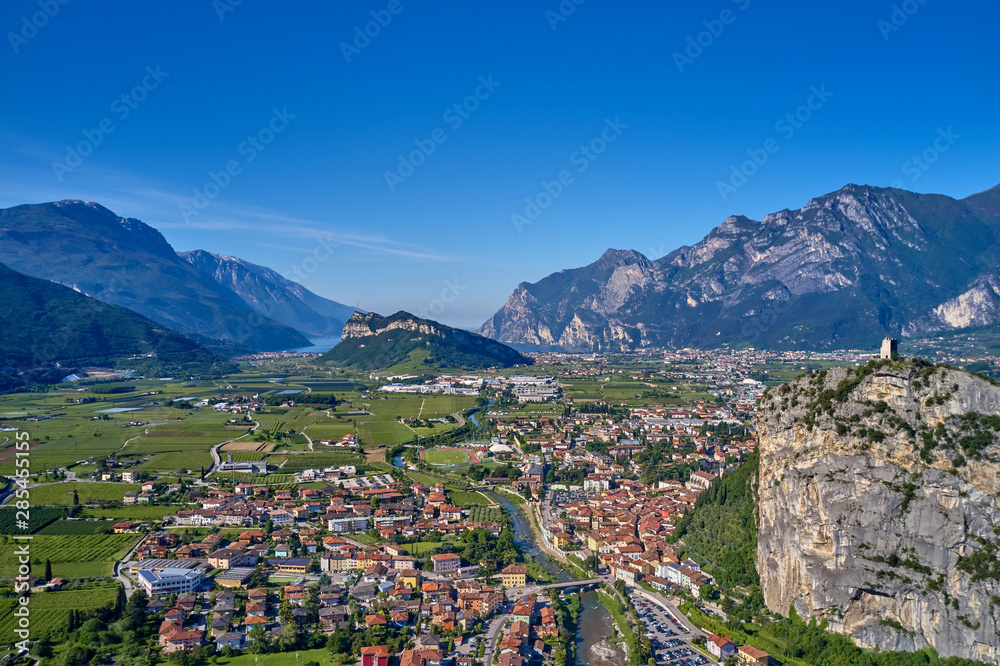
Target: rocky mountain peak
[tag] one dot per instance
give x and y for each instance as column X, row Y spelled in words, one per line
column 844, row 270
column 878, row 502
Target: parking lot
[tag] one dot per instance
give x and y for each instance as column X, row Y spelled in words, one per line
column 669, row 638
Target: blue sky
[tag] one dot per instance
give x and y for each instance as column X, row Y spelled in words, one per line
column 599, row 99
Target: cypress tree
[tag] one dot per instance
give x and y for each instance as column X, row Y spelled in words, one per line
column 48, row 570
column 120, row 603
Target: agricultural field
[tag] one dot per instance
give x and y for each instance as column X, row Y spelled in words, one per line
column 73, row 555
column 243, row 456
column 247, row 446
column 177, row 462
column 62, row 493
column 480, row 514
column 334, row 430
column 372, row 433
column 319, row 460
column 40, row 516
column 135, row 512
column 382, row 427
column 181, row 445
column 78, row 527
column 50, row 610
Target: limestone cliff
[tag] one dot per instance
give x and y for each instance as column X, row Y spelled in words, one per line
column 878, row 505
column 374, row 342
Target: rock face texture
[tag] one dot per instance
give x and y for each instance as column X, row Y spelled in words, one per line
column 842, row 271
column 373, row 342
column 272, row 295
column 879, row 509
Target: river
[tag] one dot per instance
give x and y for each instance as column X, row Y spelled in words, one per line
column 595, row 622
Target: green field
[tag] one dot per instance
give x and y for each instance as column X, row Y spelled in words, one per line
column 181, row 445
column 50, row 610
column 321, row 655
column 138, row 512
column 383, row 428
column 38, row 518
column 333, row 431
column 466, row 500
column 480, row 514
column 319, row 460
column 73, row 555
column 62, row 493
column 421, row 548
column 78, row 527
column 446, row 457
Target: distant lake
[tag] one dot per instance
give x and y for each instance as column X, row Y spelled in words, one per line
column 319, row 346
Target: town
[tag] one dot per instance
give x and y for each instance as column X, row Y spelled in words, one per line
column 459, row 519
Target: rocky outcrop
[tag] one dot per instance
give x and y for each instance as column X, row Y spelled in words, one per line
column 878, row 505
column 844, row 270
column 374, row 342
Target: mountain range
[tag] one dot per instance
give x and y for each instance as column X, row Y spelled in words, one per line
column 220, row 301
column 373, row 342
column 271, row 295
column 843, row 271
column 49, row 330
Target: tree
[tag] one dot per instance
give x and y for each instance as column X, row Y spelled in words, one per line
column 134, row 615
column 285, row 613
column 48, row 570
column 258, row 640
column 76, row 498
column 708, row 593
column 121, row 601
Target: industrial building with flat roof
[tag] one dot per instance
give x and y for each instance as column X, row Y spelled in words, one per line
column 170, row 581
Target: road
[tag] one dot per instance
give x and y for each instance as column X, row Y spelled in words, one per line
column 216, row 460
column 129, row 588
column 518, row 592
column 493, row 635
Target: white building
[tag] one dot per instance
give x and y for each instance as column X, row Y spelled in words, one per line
column 170, row 580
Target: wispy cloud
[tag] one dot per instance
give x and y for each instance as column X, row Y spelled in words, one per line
column 158, row 204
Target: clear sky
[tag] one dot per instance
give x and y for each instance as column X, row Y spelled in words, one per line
column 309, row 115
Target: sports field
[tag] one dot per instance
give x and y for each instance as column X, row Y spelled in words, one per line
column 449, row 457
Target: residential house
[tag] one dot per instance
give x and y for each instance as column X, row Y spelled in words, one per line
column 514, row 575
